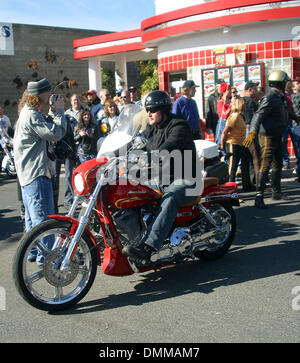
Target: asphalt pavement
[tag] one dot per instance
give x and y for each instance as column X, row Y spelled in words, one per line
column 252, row 294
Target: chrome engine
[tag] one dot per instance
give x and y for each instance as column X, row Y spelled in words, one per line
column 184, row 242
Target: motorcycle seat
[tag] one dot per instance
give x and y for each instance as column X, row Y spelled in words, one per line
column 209, row 181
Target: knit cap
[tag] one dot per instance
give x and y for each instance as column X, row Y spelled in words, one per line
column 37, row 87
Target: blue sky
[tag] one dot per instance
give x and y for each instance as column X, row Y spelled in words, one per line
column 115, row 15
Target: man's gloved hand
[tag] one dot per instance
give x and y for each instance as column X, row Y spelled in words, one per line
column 249, row 139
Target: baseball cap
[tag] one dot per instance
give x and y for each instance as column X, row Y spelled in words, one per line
column 132, row 89
column 220, row 81
column 189, row 83
column 250, row 84
column 91, row 92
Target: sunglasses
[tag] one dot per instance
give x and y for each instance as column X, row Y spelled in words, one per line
column 152, row 109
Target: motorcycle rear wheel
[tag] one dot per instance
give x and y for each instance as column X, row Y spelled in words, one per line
column 44, row 286
column 223, row 214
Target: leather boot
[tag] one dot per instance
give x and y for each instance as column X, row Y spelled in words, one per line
column 259, row 202
column 261, row 182
column 276, row 178
column 260, row 187
column 276, row 186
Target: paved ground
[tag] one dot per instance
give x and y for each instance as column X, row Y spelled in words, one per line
column 250, row 295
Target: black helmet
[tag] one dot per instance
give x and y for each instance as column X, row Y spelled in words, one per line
column 278, row 79
column 158, row 101
column 62, row 149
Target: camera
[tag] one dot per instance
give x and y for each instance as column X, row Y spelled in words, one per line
column 53, row 98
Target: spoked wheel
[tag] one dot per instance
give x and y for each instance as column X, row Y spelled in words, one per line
column 222, row 239
column 40, row 281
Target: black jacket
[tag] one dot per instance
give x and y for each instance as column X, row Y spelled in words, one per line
column 211, row 113
column 88, row 144
column 272, row 115
column 251, row 108
column 173, row 134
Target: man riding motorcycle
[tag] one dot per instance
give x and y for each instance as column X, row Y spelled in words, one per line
column 165, row 132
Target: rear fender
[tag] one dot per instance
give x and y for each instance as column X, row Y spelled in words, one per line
column 223, row 192
column 75, row 222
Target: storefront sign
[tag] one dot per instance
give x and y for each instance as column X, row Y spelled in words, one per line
column 6, row 39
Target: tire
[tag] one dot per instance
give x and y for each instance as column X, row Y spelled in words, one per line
column 219, row 248
column 10, row 169
column 46, row 287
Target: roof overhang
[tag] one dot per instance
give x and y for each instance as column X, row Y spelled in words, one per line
column 135, row 44
column 108, row 46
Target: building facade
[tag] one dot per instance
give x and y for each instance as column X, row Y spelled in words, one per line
column 29, row 52
column 203, row 40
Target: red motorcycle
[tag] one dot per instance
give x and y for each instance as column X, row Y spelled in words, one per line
column 113, row 215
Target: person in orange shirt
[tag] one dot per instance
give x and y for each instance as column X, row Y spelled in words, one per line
column 232, row 139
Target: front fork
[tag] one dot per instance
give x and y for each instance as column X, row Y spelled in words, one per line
column 81, row 226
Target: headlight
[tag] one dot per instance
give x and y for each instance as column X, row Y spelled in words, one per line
column 79, row 183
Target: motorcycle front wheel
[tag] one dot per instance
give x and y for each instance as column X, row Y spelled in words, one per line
column 40, row 281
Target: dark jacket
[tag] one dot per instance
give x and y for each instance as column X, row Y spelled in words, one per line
column 211, row 113
column 251, row 108
column 272, row 116
column 173, row 134
column 87, row 143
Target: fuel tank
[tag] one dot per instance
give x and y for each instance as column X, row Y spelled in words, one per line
column 131, row 196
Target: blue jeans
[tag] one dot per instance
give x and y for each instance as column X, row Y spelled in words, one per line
column 173, row 198
column 296, row 145
column 220, row 127
column 38, row 202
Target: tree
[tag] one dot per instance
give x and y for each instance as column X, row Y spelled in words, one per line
column 108, row 80
column 149, row 75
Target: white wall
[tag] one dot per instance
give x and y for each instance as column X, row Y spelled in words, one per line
column 239, row 34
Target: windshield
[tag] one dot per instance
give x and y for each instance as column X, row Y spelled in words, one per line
column 122, row 131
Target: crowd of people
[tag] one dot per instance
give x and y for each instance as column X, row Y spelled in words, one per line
column 251, row 127
column 46, row 136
